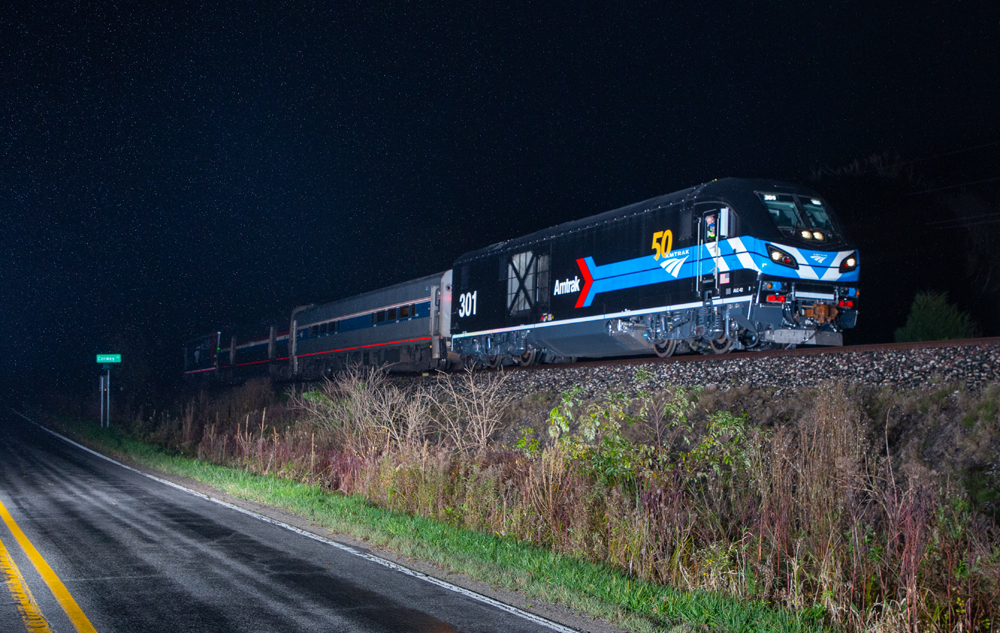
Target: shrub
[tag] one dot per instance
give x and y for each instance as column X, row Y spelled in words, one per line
column 365, row 413
column 932, row 318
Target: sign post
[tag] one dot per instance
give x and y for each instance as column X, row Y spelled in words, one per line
column 106, row 360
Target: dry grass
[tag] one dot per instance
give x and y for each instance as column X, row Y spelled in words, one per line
column 853, row 506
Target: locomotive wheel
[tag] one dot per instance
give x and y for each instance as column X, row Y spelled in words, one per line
column 493, row 361
column 720, row 345
column 530, row 357
column 472, row 363
column 666, row 349
column 750, row 340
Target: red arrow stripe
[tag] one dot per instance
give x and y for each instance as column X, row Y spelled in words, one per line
column 587, row 281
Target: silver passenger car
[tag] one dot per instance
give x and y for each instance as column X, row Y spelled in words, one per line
column 405, row 327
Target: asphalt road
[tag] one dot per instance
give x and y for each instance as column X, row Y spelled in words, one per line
column 135, row 555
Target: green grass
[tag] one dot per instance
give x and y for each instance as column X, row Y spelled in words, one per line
column 590, row 589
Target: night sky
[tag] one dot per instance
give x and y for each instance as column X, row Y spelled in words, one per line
column 166, row 170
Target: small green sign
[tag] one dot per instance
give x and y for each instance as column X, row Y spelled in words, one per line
column 109, row 358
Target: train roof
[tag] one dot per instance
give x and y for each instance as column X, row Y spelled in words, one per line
column 363, row 297
column 727, row 190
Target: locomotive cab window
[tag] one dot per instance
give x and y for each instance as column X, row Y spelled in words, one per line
column 711, row 227
column 816, row 212
column 782, row 209
column 717, row 222
column 802, row 216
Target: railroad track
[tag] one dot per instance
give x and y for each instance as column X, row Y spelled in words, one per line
column 801, row 351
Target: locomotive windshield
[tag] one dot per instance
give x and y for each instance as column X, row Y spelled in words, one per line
column 816, row 212
column 792, row 213
column 783, row 211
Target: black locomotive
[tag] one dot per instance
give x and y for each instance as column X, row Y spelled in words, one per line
column 729, row 264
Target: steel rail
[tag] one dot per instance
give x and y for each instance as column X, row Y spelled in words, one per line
column 801, row 351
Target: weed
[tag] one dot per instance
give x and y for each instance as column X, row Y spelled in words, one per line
column 643, row 374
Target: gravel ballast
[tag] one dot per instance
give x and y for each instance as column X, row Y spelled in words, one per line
column 972, row 364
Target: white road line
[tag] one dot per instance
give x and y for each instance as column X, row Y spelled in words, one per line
column 531, row 617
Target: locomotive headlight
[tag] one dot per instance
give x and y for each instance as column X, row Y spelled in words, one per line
column 779, row 256
column 818, row 236
column 849, row 263
column 806, row 235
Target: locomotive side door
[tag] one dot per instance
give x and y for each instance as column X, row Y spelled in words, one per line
column 713, row 226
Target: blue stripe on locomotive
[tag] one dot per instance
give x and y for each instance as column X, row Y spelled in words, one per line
column 679, row 264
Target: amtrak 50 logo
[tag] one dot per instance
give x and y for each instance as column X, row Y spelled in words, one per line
column 566, row 287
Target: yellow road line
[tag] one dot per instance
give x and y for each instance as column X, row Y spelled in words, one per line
column 58, row 589
column 34, row 621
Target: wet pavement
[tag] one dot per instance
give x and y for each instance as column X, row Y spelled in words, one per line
column 138, row 556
